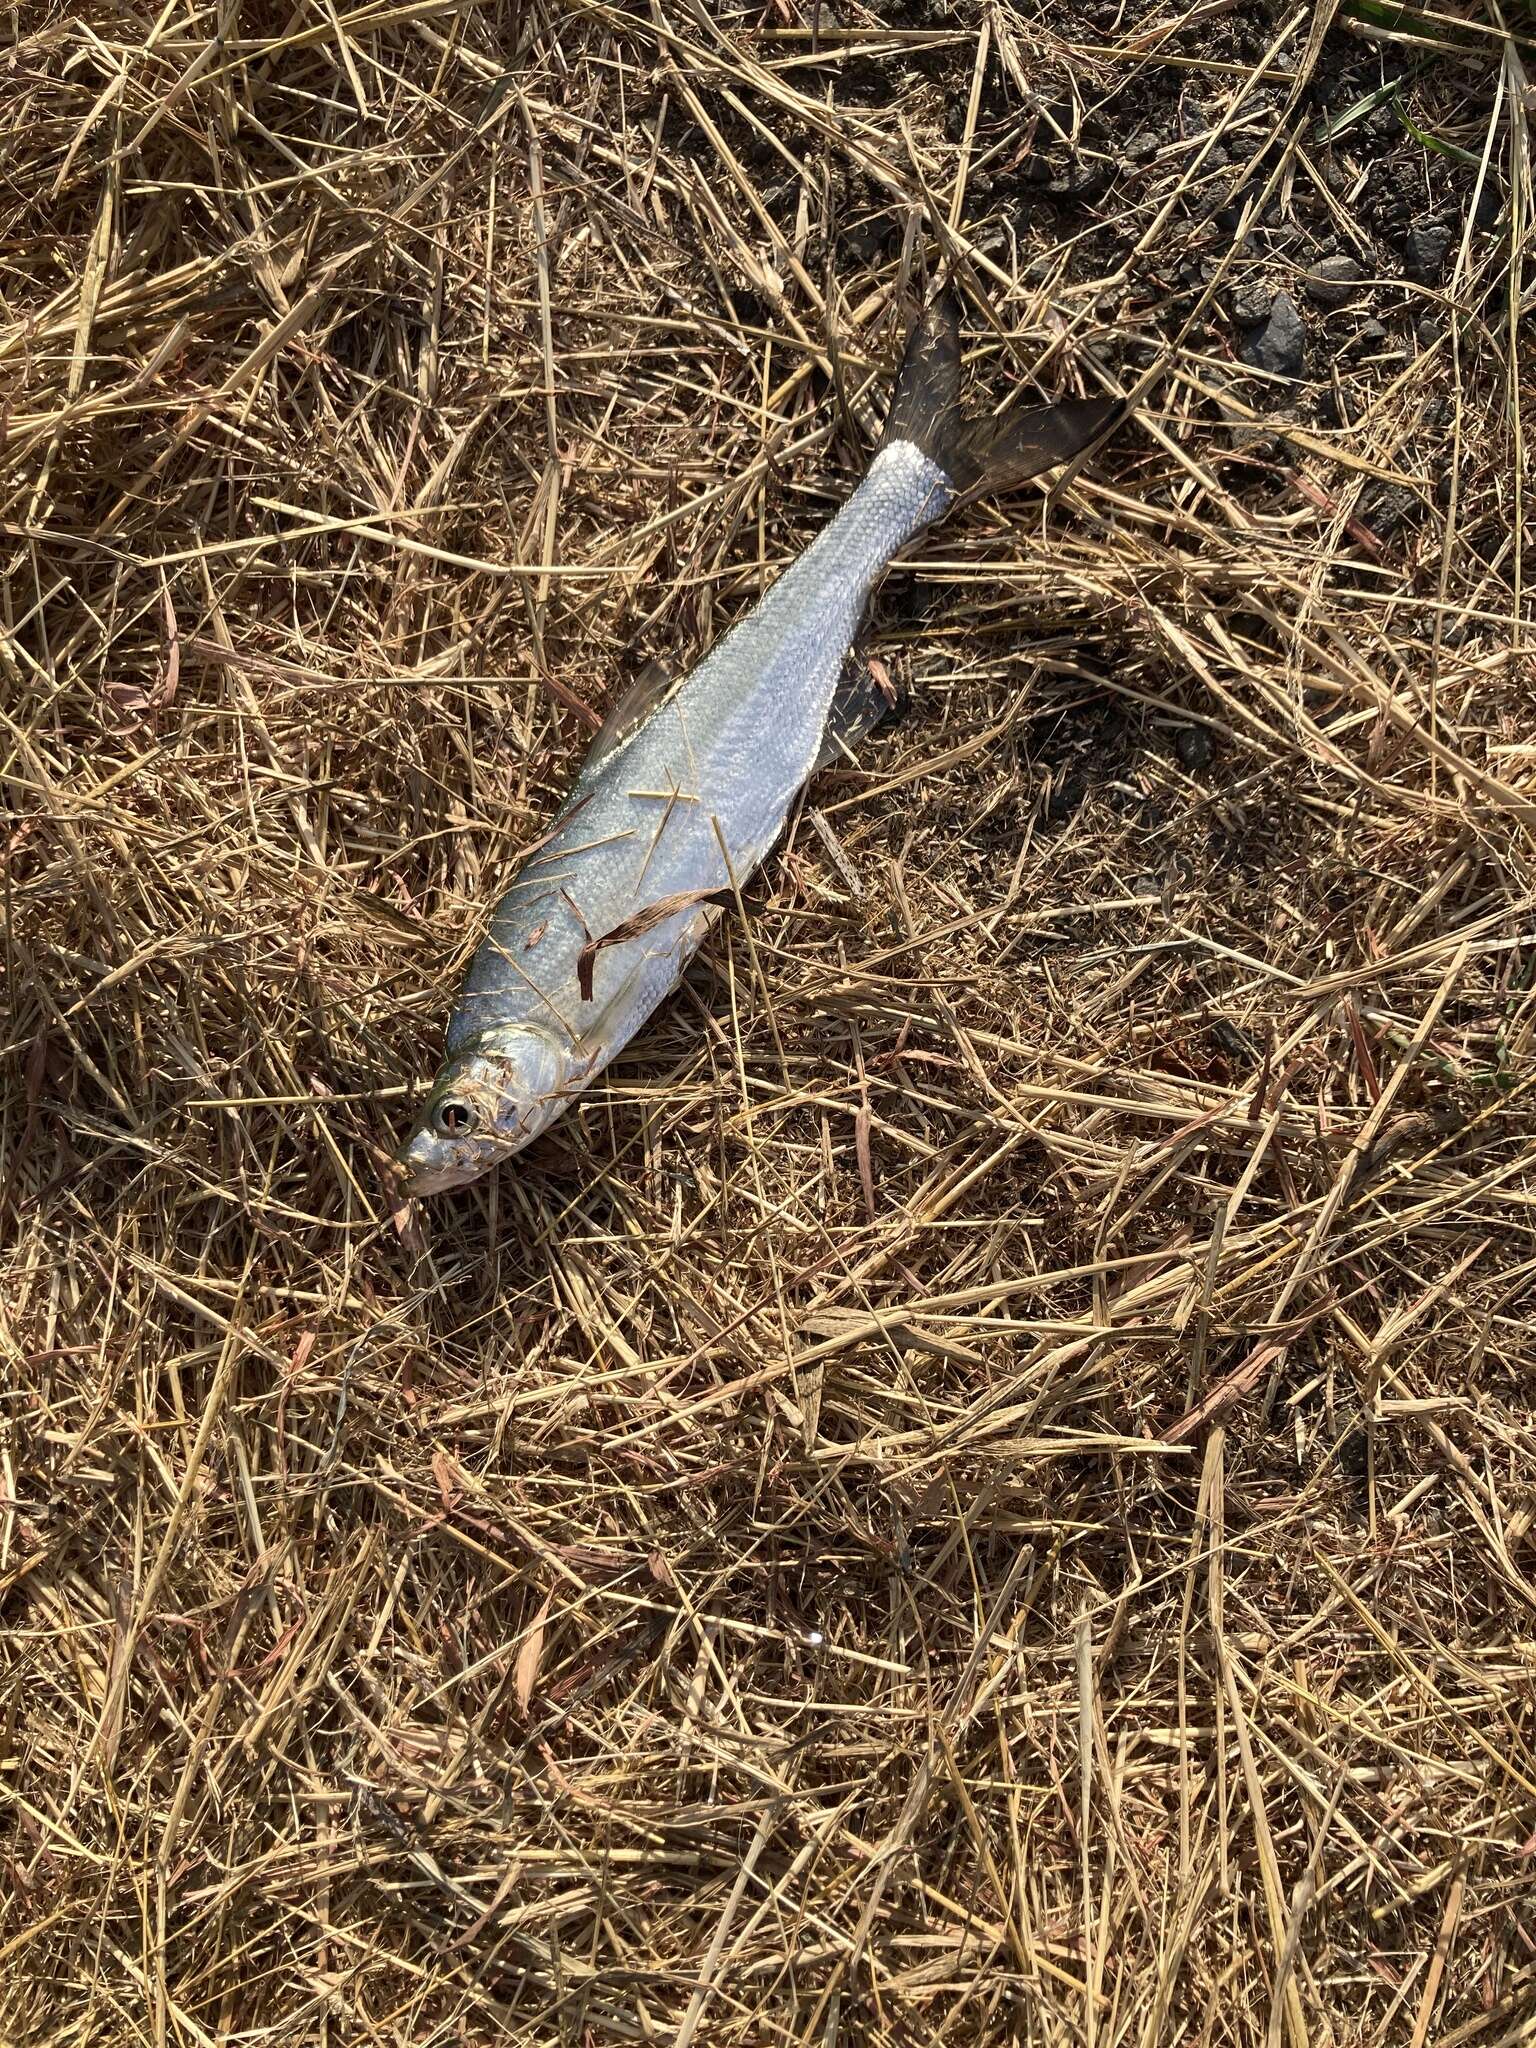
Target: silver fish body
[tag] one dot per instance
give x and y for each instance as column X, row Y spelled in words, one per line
column 599, row 924
column 687, row 804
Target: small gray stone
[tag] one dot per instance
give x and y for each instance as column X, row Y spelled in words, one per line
column 1386, row 507
column 1429, row 243
column 1251, row 302
column 1280, row 345
column 1332, row 282
column 1429, row 330
column 1081, row 180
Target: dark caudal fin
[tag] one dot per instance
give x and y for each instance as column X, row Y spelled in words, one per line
column 979, row 454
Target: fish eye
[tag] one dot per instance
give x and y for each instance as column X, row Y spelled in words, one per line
column 452, row 1118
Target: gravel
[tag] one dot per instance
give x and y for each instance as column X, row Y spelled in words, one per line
column 1280, row 345
column 1428, row 246
column 1333, row 281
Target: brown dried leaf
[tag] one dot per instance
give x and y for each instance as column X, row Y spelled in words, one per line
column 525, row 1671
column 165, row 689
column 866, row 1163
column 131, row 705
column 447, row 1477
column 637, row 926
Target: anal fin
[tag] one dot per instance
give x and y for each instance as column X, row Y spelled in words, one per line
column 863, row 699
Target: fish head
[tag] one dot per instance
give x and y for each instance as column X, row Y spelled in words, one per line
column 489, row 1100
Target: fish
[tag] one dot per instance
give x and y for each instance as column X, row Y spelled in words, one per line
column 690, row 783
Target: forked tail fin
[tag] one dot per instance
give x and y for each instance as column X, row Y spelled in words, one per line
column 975, row 453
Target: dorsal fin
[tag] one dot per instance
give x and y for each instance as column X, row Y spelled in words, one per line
column 633, row 707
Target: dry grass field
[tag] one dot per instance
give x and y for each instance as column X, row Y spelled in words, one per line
column 980, row 1488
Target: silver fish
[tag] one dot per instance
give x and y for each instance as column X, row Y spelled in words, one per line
column 680, row 798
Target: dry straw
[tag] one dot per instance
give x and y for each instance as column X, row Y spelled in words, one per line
column 980, row 1488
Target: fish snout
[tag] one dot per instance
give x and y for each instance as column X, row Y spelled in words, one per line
column 432, row 1165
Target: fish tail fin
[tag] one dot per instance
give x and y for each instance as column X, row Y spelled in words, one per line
column 978, row 454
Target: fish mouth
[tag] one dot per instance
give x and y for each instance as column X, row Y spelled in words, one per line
column 431, row 1166
column 428, row 1180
